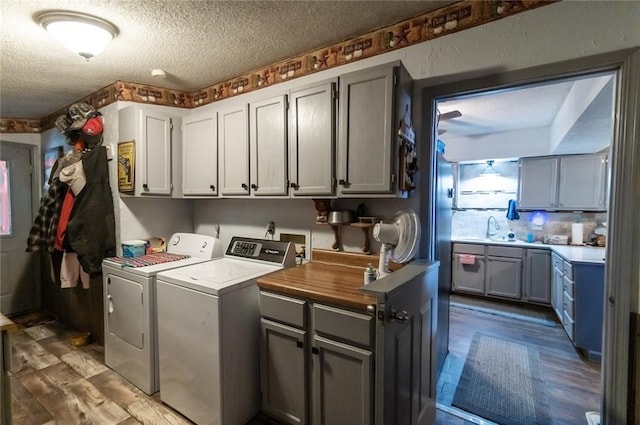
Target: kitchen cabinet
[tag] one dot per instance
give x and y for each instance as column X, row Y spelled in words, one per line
column 468, row 276
column 557, row 285
column 233, row 142
column 582, row 183
column 371, row 104
column 504, row 272
column 570, row 182
column 200, row 155
column 268, row 147
column 312, row 134
column 537, row 276
column 331, row 359
column 156, row 145
column 568, row 287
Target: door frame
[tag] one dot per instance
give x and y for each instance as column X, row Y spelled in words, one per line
column 623, row 252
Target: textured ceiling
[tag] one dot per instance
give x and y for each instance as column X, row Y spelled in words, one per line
column 197, row 42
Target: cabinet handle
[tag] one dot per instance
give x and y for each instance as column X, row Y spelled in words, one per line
column 343, row 182
column 300, row 344
column 398, row 316
column 254, row 186
column 244, row 186
column 145, row 186
column 212, row 187
column 315, row 350
column 294, row 186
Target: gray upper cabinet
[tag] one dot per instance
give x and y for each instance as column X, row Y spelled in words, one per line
column 538, row 182
column 233, row 144
column 268, row 147
column 153, row 133
column 312, row 139
column 367, row 138
column 570, row 182
column 200, row 155
column 583, row 182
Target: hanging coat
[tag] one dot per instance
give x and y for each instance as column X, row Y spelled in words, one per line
column 91, row 227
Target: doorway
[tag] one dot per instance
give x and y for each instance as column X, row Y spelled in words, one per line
column 20, row 270
column 622, row 265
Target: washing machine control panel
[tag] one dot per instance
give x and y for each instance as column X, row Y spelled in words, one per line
column 263, row 250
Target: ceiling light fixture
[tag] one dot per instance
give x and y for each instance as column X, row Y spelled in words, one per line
column 83, row 34
column 489, row 170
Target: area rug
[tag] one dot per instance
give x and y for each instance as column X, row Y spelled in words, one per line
column 501, row 381
column 503, row 309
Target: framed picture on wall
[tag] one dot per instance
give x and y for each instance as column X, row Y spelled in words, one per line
column 126, row 166
column 49, row 158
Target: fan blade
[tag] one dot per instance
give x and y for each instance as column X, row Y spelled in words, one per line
column 450, row 115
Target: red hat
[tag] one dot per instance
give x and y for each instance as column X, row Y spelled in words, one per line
column 93, row 126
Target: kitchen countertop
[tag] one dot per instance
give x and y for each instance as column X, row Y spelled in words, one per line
column 331, row 283
column 574, row 254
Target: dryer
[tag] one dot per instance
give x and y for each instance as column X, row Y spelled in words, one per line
column 130, row 320
column 209, row 332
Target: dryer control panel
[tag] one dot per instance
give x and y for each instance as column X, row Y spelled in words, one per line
column 263, row 250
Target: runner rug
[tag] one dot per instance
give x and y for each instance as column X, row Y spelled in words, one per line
column 501, row 381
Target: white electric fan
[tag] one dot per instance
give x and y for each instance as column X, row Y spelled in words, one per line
column 399, row 239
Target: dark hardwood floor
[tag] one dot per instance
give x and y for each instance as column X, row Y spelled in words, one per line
column 572, row 383
column 56, row 383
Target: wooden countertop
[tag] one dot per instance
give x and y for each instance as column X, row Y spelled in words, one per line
column 6, row 324
column 331, row 283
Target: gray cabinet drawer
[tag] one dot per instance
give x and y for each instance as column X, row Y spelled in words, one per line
column 504, row 251
column 568, row 286
column 283, row 309
column 468, row 248
column 557, row 261
column 568, row 305
column 568, row 325
column 568, row 269
column 343, row 324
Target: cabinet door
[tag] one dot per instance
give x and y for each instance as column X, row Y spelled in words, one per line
column 312, row 140
column 504, row 277
column 468, row 277
column 268, row 151
column 342, row 383
column 537, row 276
column 582, row 182
column 365, row 154
column 284, row 374
column 200, row 155
column 155, row 164
column 233, row 139
column 538, row 182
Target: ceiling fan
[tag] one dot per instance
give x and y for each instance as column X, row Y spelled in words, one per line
column 447, row 116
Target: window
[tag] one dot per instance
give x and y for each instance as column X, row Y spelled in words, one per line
column 5, row 199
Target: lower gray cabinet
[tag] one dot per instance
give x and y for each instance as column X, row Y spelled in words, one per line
column 504, row 272
column 537, row 276
column 342, row 383
column 468, row 268
column 317, row 371
column 283, row 372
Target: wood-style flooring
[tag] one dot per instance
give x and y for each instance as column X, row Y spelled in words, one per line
column 572, row 383
column 54, row 382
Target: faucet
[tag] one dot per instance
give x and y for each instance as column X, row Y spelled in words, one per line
column 489, row 234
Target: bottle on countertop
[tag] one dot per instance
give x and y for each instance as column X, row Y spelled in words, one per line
column 370, row 274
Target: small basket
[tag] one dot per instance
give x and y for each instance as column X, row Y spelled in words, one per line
column 134, row 248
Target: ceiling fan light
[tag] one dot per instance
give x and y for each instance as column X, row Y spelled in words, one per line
column 83, row 34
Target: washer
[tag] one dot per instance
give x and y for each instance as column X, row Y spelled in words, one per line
column 209, row 332
column 130, row 325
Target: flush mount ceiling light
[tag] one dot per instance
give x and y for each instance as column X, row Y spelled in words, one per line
column 489, row 170
column 83, row 34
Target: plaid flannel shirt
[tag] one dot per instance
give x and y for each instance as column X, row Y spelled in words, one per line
column 45, row 226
